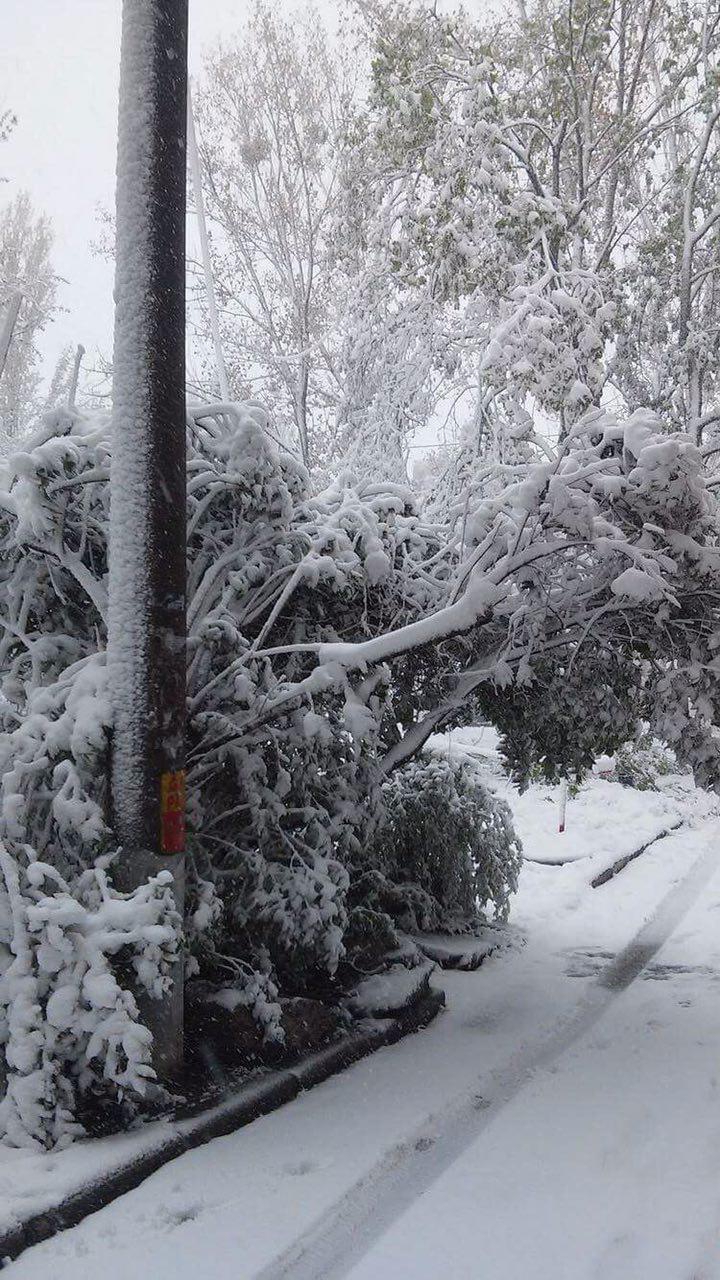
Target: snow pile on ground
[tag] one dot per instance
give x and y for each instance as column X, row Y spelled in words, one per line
column 386, row 993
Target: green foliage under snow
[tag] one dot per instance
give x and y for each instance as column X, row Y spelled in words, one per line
column 446, row 845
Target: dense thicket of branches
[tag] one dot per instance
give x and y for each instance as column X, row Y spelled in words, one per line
column 540, row 214
column 329, row 636
column 518, row 213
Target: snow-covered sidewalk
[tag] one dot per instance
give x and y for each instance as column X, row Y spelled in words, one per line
column 520, row 1124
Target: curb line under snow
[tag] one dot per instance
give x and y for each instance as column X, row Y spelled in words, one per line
column 248, row 1104
column 610, row 872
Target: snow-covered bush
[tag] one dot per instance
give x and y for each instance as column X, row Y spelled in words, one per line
column 642, row 763
column 283, row 754
column 70, row 1029
column 446, row 848
column 283, row 770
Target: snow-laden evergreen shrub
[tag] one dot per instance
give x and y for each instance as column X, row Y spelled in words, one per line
column 446, row 850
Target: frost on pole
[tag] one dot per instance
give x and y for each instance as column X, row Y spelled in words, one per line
column 146, row 648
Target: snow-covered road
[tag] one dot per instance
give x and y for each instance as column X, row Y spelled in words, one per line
column 561, row 1119
column 606, row 1166
column 417, row 1211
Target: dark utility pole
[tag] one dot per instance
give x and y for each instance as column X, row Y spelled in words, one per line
column 146, row 646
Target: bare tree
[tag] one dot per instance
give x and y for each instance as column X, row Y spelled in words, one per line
column 272, row 109
column 26, row 240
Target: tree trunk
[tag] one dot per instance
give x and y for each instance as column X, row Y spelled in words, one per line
column 8, row 328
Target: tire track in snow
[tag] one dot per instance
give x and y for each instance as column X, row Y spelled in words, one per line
column 345, row 1232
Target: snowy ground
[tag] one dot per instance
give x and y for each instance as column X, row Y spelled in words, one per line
column 560, row 1121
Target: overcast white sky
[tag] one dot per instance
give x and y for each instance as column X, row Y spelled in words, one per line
column 59, row 64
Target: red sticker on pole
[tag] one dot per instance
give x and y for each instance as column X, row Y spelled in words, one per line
column 172, row 812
